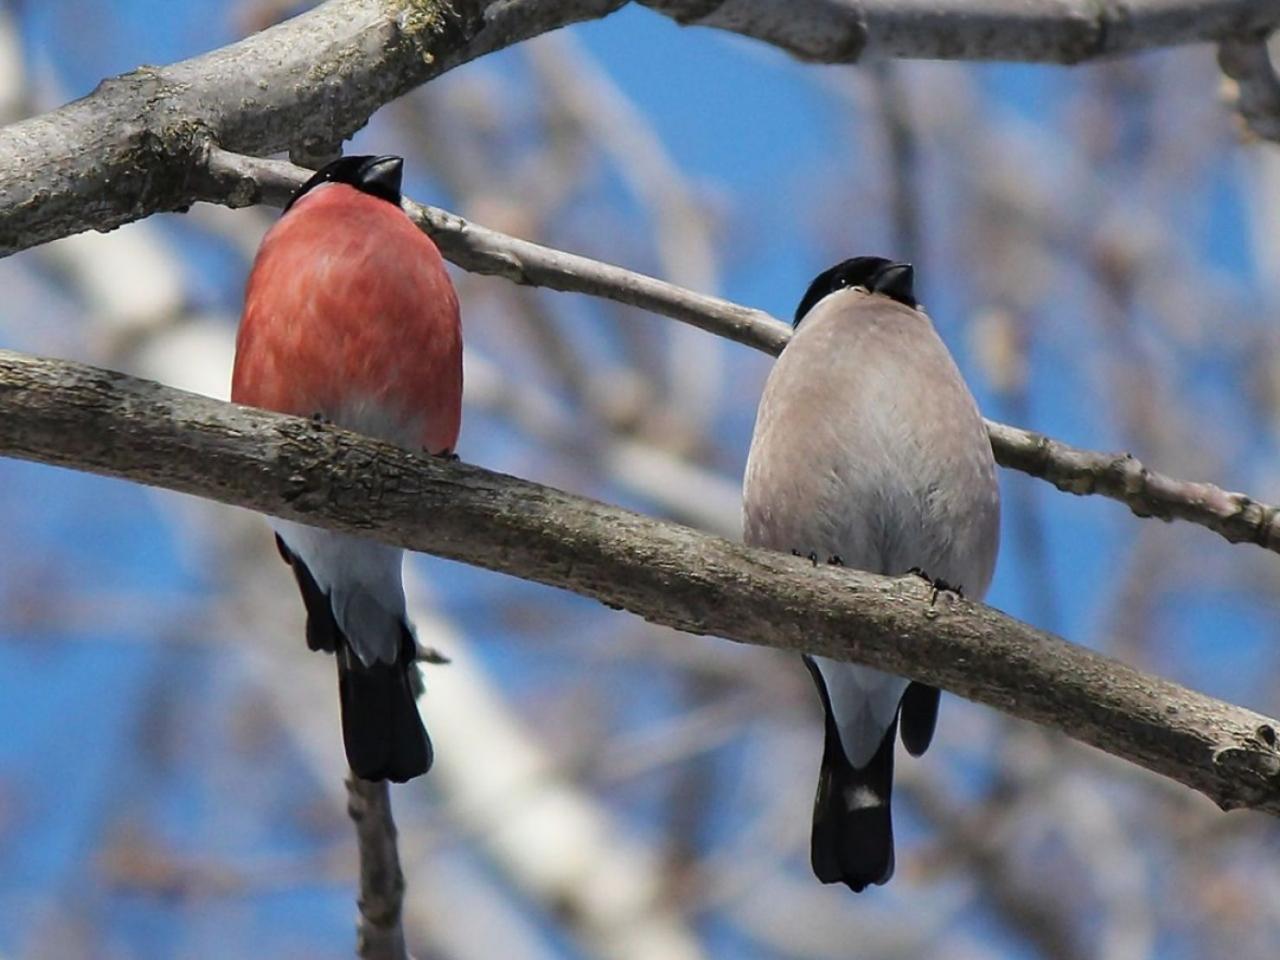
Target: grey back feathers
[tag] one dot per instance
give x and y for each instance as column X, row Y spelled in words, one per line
column 868, row 446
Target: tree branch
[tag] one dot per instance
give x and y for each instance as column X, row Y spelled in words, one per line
column 1236, row 517
column 380, row 935
column 73, row 415
column 1059, row 31
column 240, row 181
column 129, row 148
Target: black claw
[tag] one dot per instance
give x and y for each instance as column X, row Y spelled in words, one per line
column 811, row 556
column 939, row 585
column 320, row 419
column 950, row 588
column 835, row 560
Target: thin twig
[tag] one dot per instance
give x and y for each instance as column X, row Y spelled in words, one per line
column 380, row 935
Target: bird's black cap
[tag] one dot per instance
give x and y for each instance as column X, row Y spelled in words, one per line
column 874, row 274
column 377, row 176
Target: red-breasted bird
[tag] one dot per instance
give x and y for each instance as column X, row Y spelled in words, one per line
column 869, row 448
column 350, row 316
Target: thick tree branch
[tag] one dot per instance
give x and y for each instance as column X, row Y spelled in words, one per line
column 77, row 416
column 381, row 934
column 129, row 148
column 1234, row 516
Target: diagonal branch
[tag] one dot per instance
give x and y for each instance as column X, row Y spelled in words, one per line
column 77, row 416
column 1235, row 516
column 126, row 150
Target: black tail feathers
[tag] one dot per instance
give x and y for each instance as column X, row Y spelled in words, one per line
column 919, row 715
column 322, row 628
column 852, row 823
column 381, row 730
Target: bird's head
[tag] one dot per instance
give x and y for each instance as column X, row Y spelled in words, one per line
column 873, row 274
column 377, row 176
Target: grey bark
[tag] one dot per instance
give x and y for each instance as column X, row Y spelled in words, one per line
column 136, row 145
column 1043, row 31
column 77, row 416
column 380, row 935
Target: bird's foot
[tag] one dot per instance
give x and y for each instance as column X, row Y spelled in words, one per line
column 835, row 560
column 320, row 420
column 939, row 585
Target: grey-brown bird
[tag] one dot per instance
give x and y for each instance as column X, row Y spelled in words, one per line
column 869, row 448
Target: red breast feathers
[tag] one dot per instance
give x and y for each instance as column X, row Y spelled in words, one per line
column 349, row 303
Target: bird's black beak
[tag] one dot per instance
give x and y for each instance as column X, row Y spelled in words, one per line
column 382, row 177
column 896, row 281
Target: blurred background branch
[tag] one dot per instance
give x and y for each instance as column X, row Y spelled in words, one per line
column 1257, row 96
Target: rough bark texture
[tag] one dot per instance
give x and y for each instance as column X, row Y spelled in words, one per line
column 137, row 145
column 64, row 413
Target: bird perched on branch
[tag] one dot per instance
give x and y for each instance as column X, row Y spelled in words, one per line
column 350, row 317
column 869, row 451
